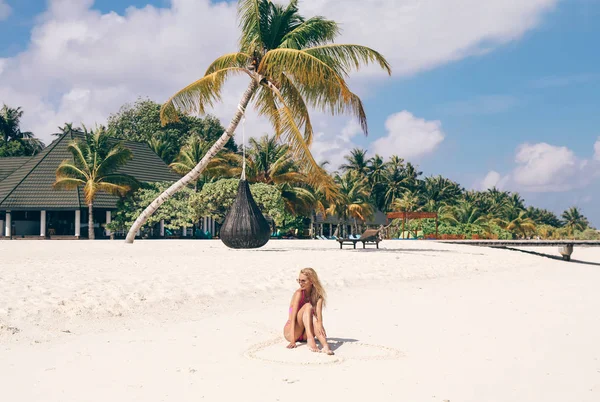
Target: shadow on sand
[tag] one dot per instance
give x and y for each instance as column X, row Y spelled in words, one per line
column 336, row 343
column 554, row 257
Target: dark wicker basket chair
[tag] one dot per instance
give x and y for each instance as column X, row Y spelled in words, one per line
column 245, row 226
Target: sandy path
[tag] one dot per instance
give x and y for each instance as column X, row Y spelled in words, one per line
column 465, row 324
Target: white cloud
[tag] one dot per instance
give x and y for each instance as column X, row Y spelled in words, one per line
column 422, row 34
column 492, row 179
column 408, row 136
column 332, row 148
column 597, row 149
column 81, row 65
column 5, row 10
column 544, row 167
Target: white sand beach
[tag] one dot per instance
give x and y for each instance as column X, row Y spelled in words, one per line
column 193, row 320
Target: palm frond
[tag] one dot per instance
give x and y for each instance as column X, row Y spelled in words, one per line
column 68, row 170
column 298, row 147
column 295, row 101
column 349, row 57
column 307, row 70
column 80, row 153
column 196, row 97
column 237, row 59
column 253, row 17
column 116, row 157
column 114, row 189
column 266, row 106
column 312, row 32
column 67, row 183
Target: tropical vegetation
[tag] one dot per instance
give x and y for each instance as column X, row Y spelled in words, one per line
column 96, row 160
column 293, row 65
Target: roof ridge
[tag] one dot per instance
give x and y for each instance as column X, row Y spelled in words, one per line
column 48, row 150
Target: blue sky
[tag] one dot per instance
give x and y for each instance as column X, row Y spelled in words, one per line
column 493, row 104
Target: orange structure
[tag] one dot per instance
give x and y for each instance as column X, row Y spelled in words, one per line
column 414, row 215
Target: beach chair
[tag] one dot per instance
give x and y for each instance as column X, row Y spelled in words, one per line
column 369, row 236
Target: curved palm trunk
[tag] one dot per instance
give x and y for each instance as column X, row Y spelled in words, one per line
column 196, row 171
column 91, row 222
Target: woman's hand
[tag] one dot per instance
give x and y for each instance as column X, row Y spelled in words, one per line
column 320, row 330
column 292, row 345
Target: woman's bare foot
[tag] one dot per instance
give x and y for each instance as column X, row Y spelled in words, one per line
column 328, row 351
column 312, row 345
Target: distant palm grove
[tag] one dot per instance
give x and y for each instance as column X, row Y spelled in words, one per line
column 357, row 189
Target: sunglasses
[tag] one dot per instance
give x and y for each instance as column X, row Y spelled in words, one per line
column 302, row 280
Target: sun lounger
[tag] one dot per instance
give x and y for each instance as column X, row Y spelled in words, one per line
column 369, row 236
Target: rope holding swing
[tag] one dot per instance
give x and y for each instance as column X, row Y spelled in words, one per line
column 244, row 225
column 244, row 146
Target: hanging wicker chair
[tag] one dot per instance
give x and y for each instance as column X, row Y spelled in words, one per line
column 245, row 226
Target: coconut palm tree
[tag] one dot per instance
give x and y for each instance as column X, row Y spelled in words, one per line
column 574, row 220
column 438, row 191
column 67, row 129
column 377, row 170
column 269, row 162
column 352, row 200
column 10, row 130
column 395, row 181
column 94, row 166
column 521, row 224
column 163, row 148
column 467, row 213
column 192, row 153
column 293, row 65
column 356, row 162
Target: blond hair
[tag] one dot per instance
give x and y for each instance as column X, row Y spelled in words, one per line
column 317, row 291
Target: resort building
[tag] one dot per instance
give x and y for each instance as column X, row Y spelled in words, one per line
column 31, row 207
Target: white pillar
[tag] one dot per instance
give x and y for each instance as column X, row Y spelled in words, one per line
column 162, row 228
column 139, row 233
column 7, row 229
column 212, row 227
column 43, row 223
column 1, row 228
column 78, row 223
column 205, row 224
column 108, row 220
column 184, row 231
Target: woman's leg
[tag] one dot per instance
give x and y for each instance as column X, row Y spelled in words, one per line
column 322, row 339
column 298, row 329
column 307, row 315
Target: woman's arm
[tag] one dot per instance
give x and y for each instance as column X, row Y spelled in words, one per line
column 319, row 329
column 319, row 311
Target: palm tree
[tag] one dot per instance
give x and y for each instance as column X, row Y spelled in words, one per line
column 574, row 220
column 409, row 202
column 356, row 162
column 10, row 130
column 438, row 191
column 293, row 65
column 467, row 213
column 94, row 166
column 192, row 153
column 271, row 163
column 395, row 181
column 352, row 200
column 544, row 217
column 521, row 224
column 67, row 129
column 162, row 148
column 377, row 170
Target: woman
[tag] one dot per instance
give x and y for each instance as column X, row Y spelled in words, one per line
column 306, row 313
